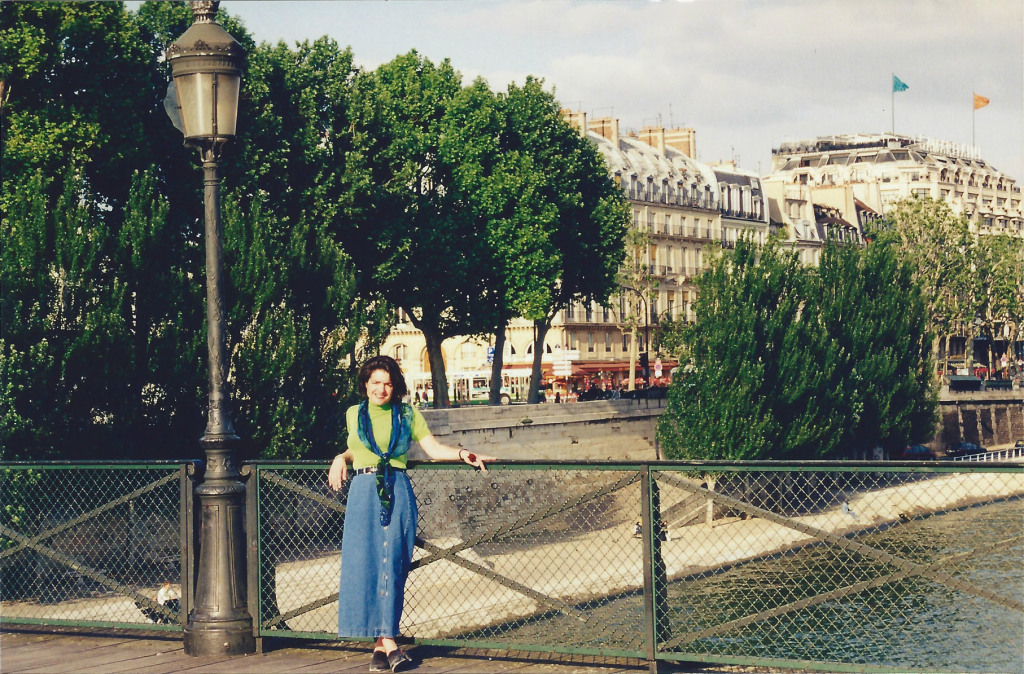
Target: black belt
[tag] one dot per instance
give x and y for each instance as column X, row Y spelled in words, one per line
column 372, row 469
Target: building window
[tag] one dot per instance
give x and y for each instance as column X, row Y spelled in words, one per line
column 650, row 221
column 606, row 314
column 399, row 353
column 636, row 219
column 590, row 342
column 625, row 342
column 573, row 344
column 607, row 342
column 590, row 313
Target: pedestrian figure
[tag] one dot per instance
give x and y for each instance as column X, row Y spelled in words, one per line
column 380, row 517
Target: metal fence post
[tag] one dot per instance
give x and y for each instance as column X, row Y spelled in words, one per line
column 252, row 538
column 188, row 539
column 655, row 579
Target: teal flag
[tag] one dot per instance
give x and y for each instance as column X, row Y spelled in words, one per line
column 898, row 84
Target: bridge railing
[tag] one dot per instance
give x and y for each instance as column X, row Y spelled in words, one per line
column 995, row 455
column 876, row 566
column 806, row 566
column 96, row 544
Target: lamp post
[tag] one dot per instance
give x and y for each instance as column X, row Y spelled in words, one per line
column 206, row 68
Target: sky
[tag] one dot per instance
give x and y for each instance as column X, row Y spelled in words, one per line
column 747, row 75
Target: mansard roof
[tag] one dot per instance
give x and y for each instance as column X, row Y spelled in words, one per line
column 634, row 157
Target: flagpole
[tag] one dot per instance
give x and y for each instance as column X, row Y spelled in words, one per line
column 892, row 106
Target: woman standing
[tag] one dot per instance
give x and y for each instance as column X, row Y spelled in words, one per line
column 380, row 519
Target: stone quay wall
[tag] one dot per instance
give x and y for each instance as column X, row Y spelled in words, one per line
column 624, row 430
column 618, row 430
column 987, row 418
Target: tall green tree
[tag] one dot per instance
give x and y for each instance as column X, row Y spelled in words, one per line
column 1000, row 272
column 296, row 315
column 638, row 288
column 411, row 236
column 789, row 362
column 747, row 387
column 874, row 317
column 587, row 213
column 939, row 247
column 96, row 303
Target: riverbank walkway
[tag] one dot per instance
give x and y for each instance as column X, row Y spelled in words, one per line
column 39, row 651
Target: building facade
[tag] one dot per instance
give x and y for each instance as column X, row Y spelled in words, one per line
column 845, row 181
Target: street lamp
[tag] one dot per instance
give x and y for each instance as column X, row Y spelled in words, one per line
column 206, row 69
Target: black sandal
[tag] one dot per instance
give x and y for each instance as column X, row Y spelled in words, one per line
column 379, row 662
column 397, row 658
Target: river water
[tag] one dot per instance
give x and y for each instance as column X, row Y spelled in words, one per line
column 913, row 622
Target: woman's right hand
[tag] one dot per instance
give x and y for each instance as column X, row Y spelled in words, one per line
column 338, row 472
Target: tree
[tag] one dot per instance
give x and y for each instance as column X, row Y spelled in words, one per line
column 97, row 324
column 939, row 247
column 103, row 325
column 411, row 236
column 586, row 211
column 296, row 314
column 508, row 192
column 637, row 287
column 874, row 315
column 789, row 362
column 1000, row 271
column 748, row 360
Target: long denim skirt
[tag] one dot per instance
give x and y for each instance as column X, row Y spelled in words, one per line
column 375, row 559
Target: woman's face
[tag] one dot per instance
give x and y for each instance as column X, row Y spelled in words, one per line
column 379, row 387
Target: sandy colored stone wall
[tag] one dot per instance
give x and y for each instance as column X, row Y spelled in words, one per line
column 617, row 430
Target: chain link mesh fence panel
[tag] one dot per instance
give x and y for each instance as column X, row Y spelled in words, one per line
column 884, row 566
column 522, row 555
column 91, row 545
column 911, row 569
column 869, row 566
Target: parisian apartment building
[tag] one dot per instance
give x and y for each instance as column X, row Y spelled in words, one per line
column 840, row 183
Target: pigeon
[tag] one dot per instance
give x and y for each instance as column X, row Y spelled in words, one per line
column 845, row 507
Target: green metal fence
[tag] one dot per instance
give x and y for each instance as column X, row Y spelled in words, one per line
column 90, row 544
column 839, row 567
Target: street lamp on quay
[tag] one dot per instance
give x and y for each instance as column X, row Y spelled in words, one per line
column 206, row 70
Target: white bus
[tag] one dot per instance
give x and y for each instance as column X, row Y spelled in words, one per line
column 474, row 387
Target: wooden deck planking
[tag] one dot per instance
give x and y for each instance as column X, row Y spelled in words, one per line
column 37, row 652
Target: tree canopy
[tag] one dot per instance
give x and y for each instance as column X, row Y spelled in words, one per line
column 345, row 194
column 791, row 362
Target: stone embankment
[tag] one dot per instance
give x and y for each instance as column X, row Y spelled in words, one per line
column 616, row 430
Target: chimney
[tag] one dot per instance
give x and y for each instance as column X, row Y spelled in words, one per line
column 684, row 140
column 607, row 128
column 578, row 119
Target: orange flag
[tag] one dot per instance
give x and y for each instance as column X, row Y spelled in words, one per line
column 980, row 101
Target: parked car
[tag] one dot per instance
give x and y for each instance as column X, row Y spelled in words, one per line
column 917, row 453
column 964, row 448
